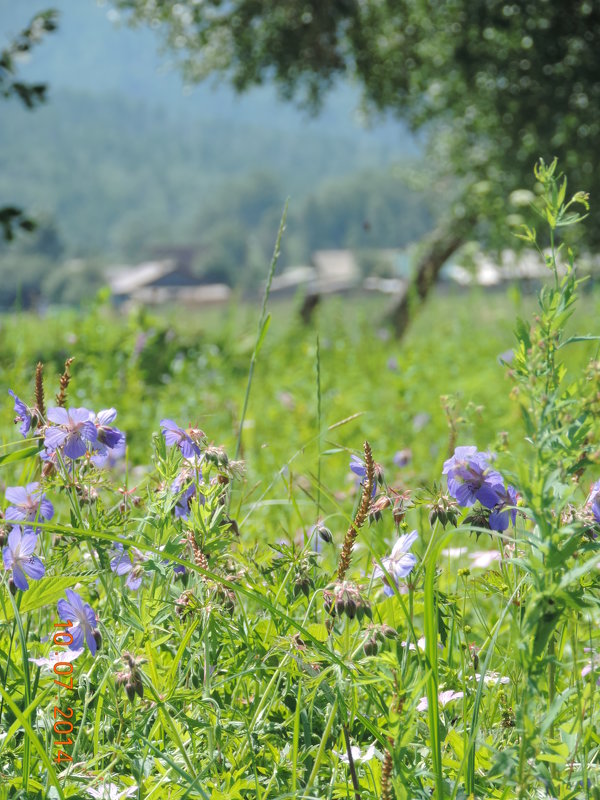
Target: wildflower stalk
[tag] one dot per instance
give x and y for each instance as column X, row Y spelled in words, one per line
column 65, row 379
column 263, row 326
column 39, row 392
column 386, row 776
column 361, row 514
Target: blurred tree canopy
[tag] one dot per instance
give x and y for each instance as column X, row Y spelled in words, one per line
column 30, row 94
column 494, row 84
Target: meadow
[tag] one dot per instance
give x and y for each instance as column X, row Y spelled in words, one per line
column 383, row 585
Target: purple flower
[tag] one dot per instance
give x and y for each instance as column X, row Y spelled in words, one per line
column 503, row 512
column 593, row 501
column 359, row 468
column 174, row 435
column 110, row 441
column 18, row 556
column 399, row 563
column 28, row 504
column 470, row 478
column 129, row 563
column 106, row 434
column 82, row 616
column 73, row 431
column 403, row 457
column 23, row 414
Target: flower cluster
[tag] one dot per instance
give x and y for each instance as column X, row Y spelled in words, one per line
column 77, row 431
column 471, row 479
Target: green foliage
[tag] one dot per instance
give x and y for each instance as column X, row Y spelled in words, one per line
column 258, row 674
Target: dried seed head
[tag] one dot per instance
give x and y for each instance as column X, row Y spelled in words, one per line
column 65, row 379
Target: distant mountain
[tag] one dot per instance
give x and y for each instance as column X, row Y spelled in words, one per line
column 96, row 52
column 123, row 157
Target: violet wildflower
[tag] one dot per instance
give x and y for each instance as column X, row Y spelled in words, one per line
column 108, row 438
column 184, row 502
column 18, row 557
column 593, row 501
column 399, row 563
column 23, row 414
column 403, row 457
column 470, row 478
column 109, row 456
column 174, row 435
column 504, row 512
column 128, row 563
column 28, row 504
column 72, row 432
column 359, row 468
column 84, row 627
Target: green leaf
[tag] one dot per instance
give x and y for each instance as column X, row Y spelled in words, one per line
column 44, row 592
column 20, row 455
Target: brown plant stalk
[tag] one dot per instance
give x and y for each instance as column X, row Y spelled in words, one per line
column 39, row 391
column 65, row 379
column 361, row 514
column 387, row 793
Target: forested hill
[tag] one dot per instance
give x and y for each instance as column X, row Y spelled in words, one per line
column 122, row 157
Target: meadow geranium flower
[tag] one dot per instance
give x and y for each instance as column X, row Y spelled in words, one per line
column 593, row 501
column 18, row 557
column 174, row 435
column 110, row 791
column 72, row 432
column 399, row 563
column 108, row 438
column 129, row 563
column 471, row 479
column 82, row 616
column 402, row 457
column 443, row 699
column 504, row 512
column 359, row 468
column 54, row 657
column 28, row 504
column 23, row 414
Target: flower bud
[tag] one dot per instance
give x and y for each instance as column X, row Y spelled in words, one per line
column 324, row 533
column 350, row 607
column 138, row 686
column 389, row 632
column 328, row 603
column 98, row 639
column 370, row 646
column 130, row 689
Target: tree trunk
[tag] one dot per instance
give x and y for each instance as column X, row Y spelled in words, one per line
column 442, row 243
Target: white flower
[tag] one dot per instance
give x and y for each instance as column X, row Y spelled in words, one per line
column 492, row 678
column 484, row 558
column 110, row 791
column 55, row 656
column 357, row 757
column 399, row 563
column 455, row 552
column 443, row 699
